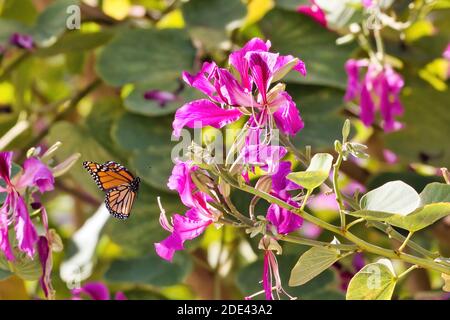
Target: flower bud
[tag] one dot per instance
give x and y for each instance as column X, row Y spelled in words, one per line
column 269, row 243
column 346, row 130
column 224, row 188
column 264, row 184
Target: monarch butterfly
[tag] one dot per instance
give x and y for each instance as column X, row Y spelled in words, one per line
column 120, row 185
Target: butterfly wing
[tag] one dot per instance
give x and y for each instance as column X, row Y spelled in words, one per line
column 119, row 200
column 108, row 175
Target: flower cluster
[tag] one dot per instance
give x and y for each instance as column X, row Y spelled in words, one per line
column 17, row 229
column 378, row 89
column 243, row 90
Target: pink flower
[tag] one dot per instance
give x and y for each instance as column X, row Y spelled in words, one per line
column 196, row 219
column 378, row 90
column 229, row 98
column 14, row 210
column 283, row 220
column 271, row 273
column 314, row 11
column 95, row 291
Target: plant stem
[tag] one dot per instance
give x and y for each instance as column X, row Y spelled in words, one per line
column 405, row 242
column 315, row 243
column 305, row 199
column 351, row 224
column 337, row 192
column 392, row 233
column 360, row 243
column 404, row 273
column 304, row 162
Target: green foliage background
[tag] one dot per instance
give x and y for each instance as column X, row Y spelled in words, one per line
column 127, row 56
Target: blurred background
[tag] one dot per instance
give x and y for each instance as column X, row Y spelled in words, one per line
column 85, row 88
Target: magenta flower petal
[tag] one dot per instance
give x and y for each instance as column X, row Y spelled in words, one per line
column 35, row 173
column 261, row 66
column 5, row 165
column 282, row 61
column 5, row 246
column 201, row 113
column 95, row 290
column 367, row 3
column 279, row 181
column 231, row 91
column 267, row 279
column 202, row 80
column 238, row 61
column 188, row 229
column 25, row 232
column 45, row 257
column 161, row 97
column 23, row 41
column 181, row 181
column 446, row 53
column 353, row 85
column 120, row 296
column 313, row 11
column 184, row 228
column 283, row 220
column 358, row 261
column 367, row 107
column 265, row 156
column 287, row 117
column 166, row 248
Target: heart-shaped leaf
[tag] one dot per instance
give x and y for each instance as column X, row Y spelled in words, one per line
column 317, row 172
column 418, row 219
column 394, row 197
column 375, row 281
column 435, row 192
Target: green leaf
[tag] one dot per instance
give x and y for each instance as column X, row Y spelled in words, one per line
column 419, row 219
column 315, row 174
column 207, row 20
column 76, row 41
column 152, row 151
column 415, row 180
column 434, row 193
column 373, row 282
column 145, row 55
column 22, row 11
column 77, row 138
column 51, row 23
column 312, row 263
column 393, row 197
column 214, row 14
column 427, row 127
column 150, row 269
column 303, row 38
column 8, row 27
column 4, row 274
column 319, row 108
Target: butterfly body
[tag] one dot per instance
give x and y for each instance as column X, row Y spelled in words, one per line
column 119, row 184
